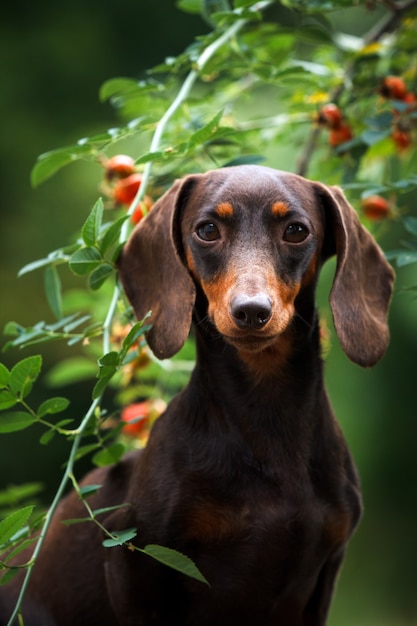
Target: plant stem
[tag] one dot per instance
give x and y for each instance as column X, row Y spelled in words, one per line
column 54, row 505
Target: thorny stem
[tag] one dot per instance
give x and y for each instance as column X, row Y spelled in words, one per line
column 386, row 25
column 183, row 93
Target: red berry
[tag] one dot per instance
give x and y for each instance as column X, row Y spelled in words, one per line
column 125, row 189
column 142, row 209
column 402, row 139
column 137, row 215
column 393, row 87
column 135, row 418
column 375, row 207
column 119, row 166
column 340, row 135
column 330, row 116
column 410, row 99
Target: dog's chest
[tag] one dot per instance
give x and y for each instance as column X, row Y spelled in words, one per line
column 282, row 524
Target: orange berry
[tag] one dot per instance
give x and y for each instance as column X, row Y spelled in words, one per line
column 137, row 215
column 340, row 135
column 410, row 99
column 402, row 139
column 143, row 208
column 375, row 207
column 329, row 115
column 393, row 87
column 135, row 418
column 126, row 189
column 119, row 166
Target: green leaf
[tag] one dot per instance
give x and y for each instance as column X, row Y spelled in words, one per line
column 133, row 335
column 85, row 260
column 109, row 455
column 117, row 86
column 203, row 134
column 47, row 437
column 50, row 162
column 108, row 365
column 110, row 509
column 13, row 523
column 190, row 6
column 14, row 421
column 111, row 234
column 120, row 537
column 57, row 257
column 153, row 156
column 100, row 275
column 7, row 399
column 4, row 376
column 410, row 224
column 75, row 520
column 73, row 324
column 372, row 136
column 89, row 490
column 176, row 560
column 101, row 385
column 111, row 359
column 91, row 228
column 52, row 406
column 24, row 374
column 8, row 576
column 84, row 450
column 406, row 258
column 53, row 290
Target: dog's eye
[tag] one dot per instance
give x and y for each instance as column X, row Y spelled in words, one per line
column 295, row 233
column 208, row 232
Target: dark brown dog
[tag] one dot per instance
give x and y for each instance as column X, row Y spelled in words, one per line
column 247, row 472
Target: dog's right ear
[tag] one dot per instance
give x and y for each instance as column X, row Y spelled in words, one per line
column 154, row 277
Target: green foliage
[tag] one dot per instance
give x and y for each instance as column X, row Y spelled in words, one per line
column 192, row 113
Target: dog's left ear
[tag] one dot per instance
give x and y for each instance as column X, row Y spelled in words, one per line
column 363, row 282
column 155, row 278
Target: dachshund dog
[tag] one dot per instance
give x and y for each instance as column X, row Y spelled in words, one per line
column 247, row 471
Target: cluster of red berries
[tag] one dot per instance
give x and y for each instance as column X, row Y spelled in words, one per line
column 394, row 88
column 122, row 183
column 331, row 117
column 403, row 102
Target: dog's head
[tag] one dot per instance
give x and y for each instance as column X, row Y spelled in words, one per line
column 253, row 239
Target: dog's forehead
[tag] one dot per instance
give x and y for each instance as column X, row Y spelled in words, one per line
column 256, row 186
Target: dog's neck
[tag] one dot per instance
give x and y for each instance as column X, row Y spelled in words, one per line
column 255, row 422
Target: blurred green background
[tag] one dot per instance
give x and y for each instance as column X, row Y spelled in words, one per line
column 54, row 58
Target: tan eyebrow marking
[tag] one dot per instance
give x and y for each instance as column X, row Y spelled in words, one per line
column 224, row 209
column 279, row 209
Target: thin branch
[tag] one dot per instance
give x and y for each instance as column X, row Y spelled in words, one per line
column 54, row 505
column 387, row 24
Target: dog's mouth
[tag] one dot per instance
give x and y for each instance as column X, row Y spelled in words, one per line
column 251, row 342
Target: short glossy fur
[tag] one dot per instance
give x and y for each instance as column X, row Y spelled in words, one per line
column 247, row 471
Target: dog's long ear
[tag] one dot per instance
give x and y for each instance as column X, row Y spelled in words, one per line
column 154, row 277
column 362, row 286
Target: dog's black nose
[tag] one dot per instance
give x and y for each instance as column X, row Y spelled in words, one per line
column 251, row 312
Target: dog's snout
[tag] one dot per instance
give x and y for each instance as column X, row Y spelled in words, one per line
column 251, row 311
